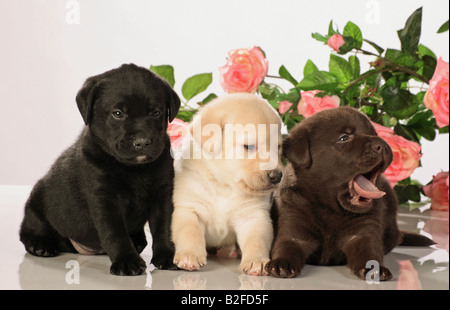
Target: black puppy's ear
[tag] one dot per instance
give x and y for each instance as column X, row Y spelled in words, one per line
column 296, row 148
column 86, row 97
column 174, row 104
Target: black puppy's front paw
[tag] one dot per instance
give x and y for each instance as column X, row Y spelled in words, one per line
column 163, row 259
column 128, row 267
column 40, row 246
column 283, row 268
column 382, row 274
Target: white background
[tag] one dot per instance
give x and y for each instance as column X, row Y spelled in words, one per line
column 44, row 59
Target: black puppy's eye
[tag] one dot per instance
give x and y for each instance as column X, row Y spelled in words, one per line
column 344, row 138
column 250, row 147
column 156, row 113
column 118, row 114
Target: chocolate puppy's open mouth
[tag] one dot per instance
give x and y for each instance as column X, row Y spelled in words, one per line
column 363, row 189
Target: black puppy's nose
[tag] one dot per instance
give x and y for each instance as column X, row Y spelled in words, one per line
column 275, row 176
column 141, row 143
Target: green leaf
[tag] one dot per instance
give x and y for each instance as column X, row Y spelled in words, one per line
column 406, row 132
column 330, row 29
column 319, row 37
column 309, row 68
column 292, row 96
column 410, row 35
column 268, row 91
column 209, row 98
column 443, row 129
column 428, row 67
column 166, row 72
column 423, row 123
column 402, row 58
column 195, row 85
column 422, row 50
column 399, row 103
column 379, row 49
column 353, row 31
column 388, row 121
column 284, row 73
column 320, row 80
column 347, row 46
column 407, row 192
column 186, row 114
column 340, row 68
column 443, row 28
column 354, row 63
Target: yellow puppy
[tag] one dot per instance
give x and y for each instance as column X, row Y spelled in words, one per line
column 225, row 173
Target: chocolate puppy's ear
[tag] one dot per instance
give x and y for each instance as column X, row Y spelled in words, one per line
column 296, row 148
column 86, row 97
column 174, row 104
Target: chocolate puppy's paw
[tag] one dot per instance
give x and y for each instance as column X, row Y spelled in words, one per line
column 283, row 268
column 128, row 267
column 382, row 274
column 41, row 246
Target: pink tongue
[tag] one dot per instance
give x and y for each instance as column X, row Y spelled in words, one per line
column 366, row 189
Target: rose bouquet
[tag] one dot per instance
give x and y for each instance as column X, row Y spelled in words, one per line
column 386, row 93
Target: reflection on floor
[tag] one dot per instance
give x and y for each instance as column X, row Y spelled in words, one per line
column 412, row 267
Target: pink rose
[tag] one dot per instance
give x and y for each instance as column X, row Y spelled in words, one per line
column 244, row 70
column 335, row 42
column 309, row 104
column 438, row 191
column 436, row 97
column 406, row 155
column 284, row 106
column 176, row 130
column 408, row 278
column 437, row 227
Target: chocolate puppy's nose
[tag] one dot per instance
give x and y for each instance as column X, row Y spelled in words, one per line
column 275, row 176
column 377, row 146
column 141, row 143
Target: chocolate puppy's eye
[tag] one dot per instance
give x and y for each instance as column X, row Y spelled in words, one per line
column 118, row 114
column 156, row 113
column 344, row 138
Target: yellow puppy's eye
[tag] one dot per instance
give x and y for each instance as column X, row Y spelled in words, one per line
column 250, row 147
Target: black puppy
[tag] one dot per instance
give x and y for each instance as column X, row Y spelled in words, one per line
column 100, row 192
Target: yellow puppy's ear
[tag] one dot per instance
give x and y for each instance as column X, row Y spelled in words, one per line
column 207, row 131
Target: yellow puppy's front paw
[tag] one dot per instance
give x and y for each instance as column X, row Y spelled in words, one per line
column 189, row 261
column 254, row 267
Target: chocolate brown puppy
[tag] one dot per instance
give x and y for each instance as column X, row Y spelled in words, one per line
column 334, row 207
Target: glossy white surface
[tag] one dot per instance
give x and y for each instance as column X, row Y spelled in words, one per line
column 412, row 267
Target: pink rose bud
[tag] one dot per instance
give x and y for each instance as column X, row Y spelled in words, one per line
column 336, row 41
column 436, row 98
column 284, row 106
